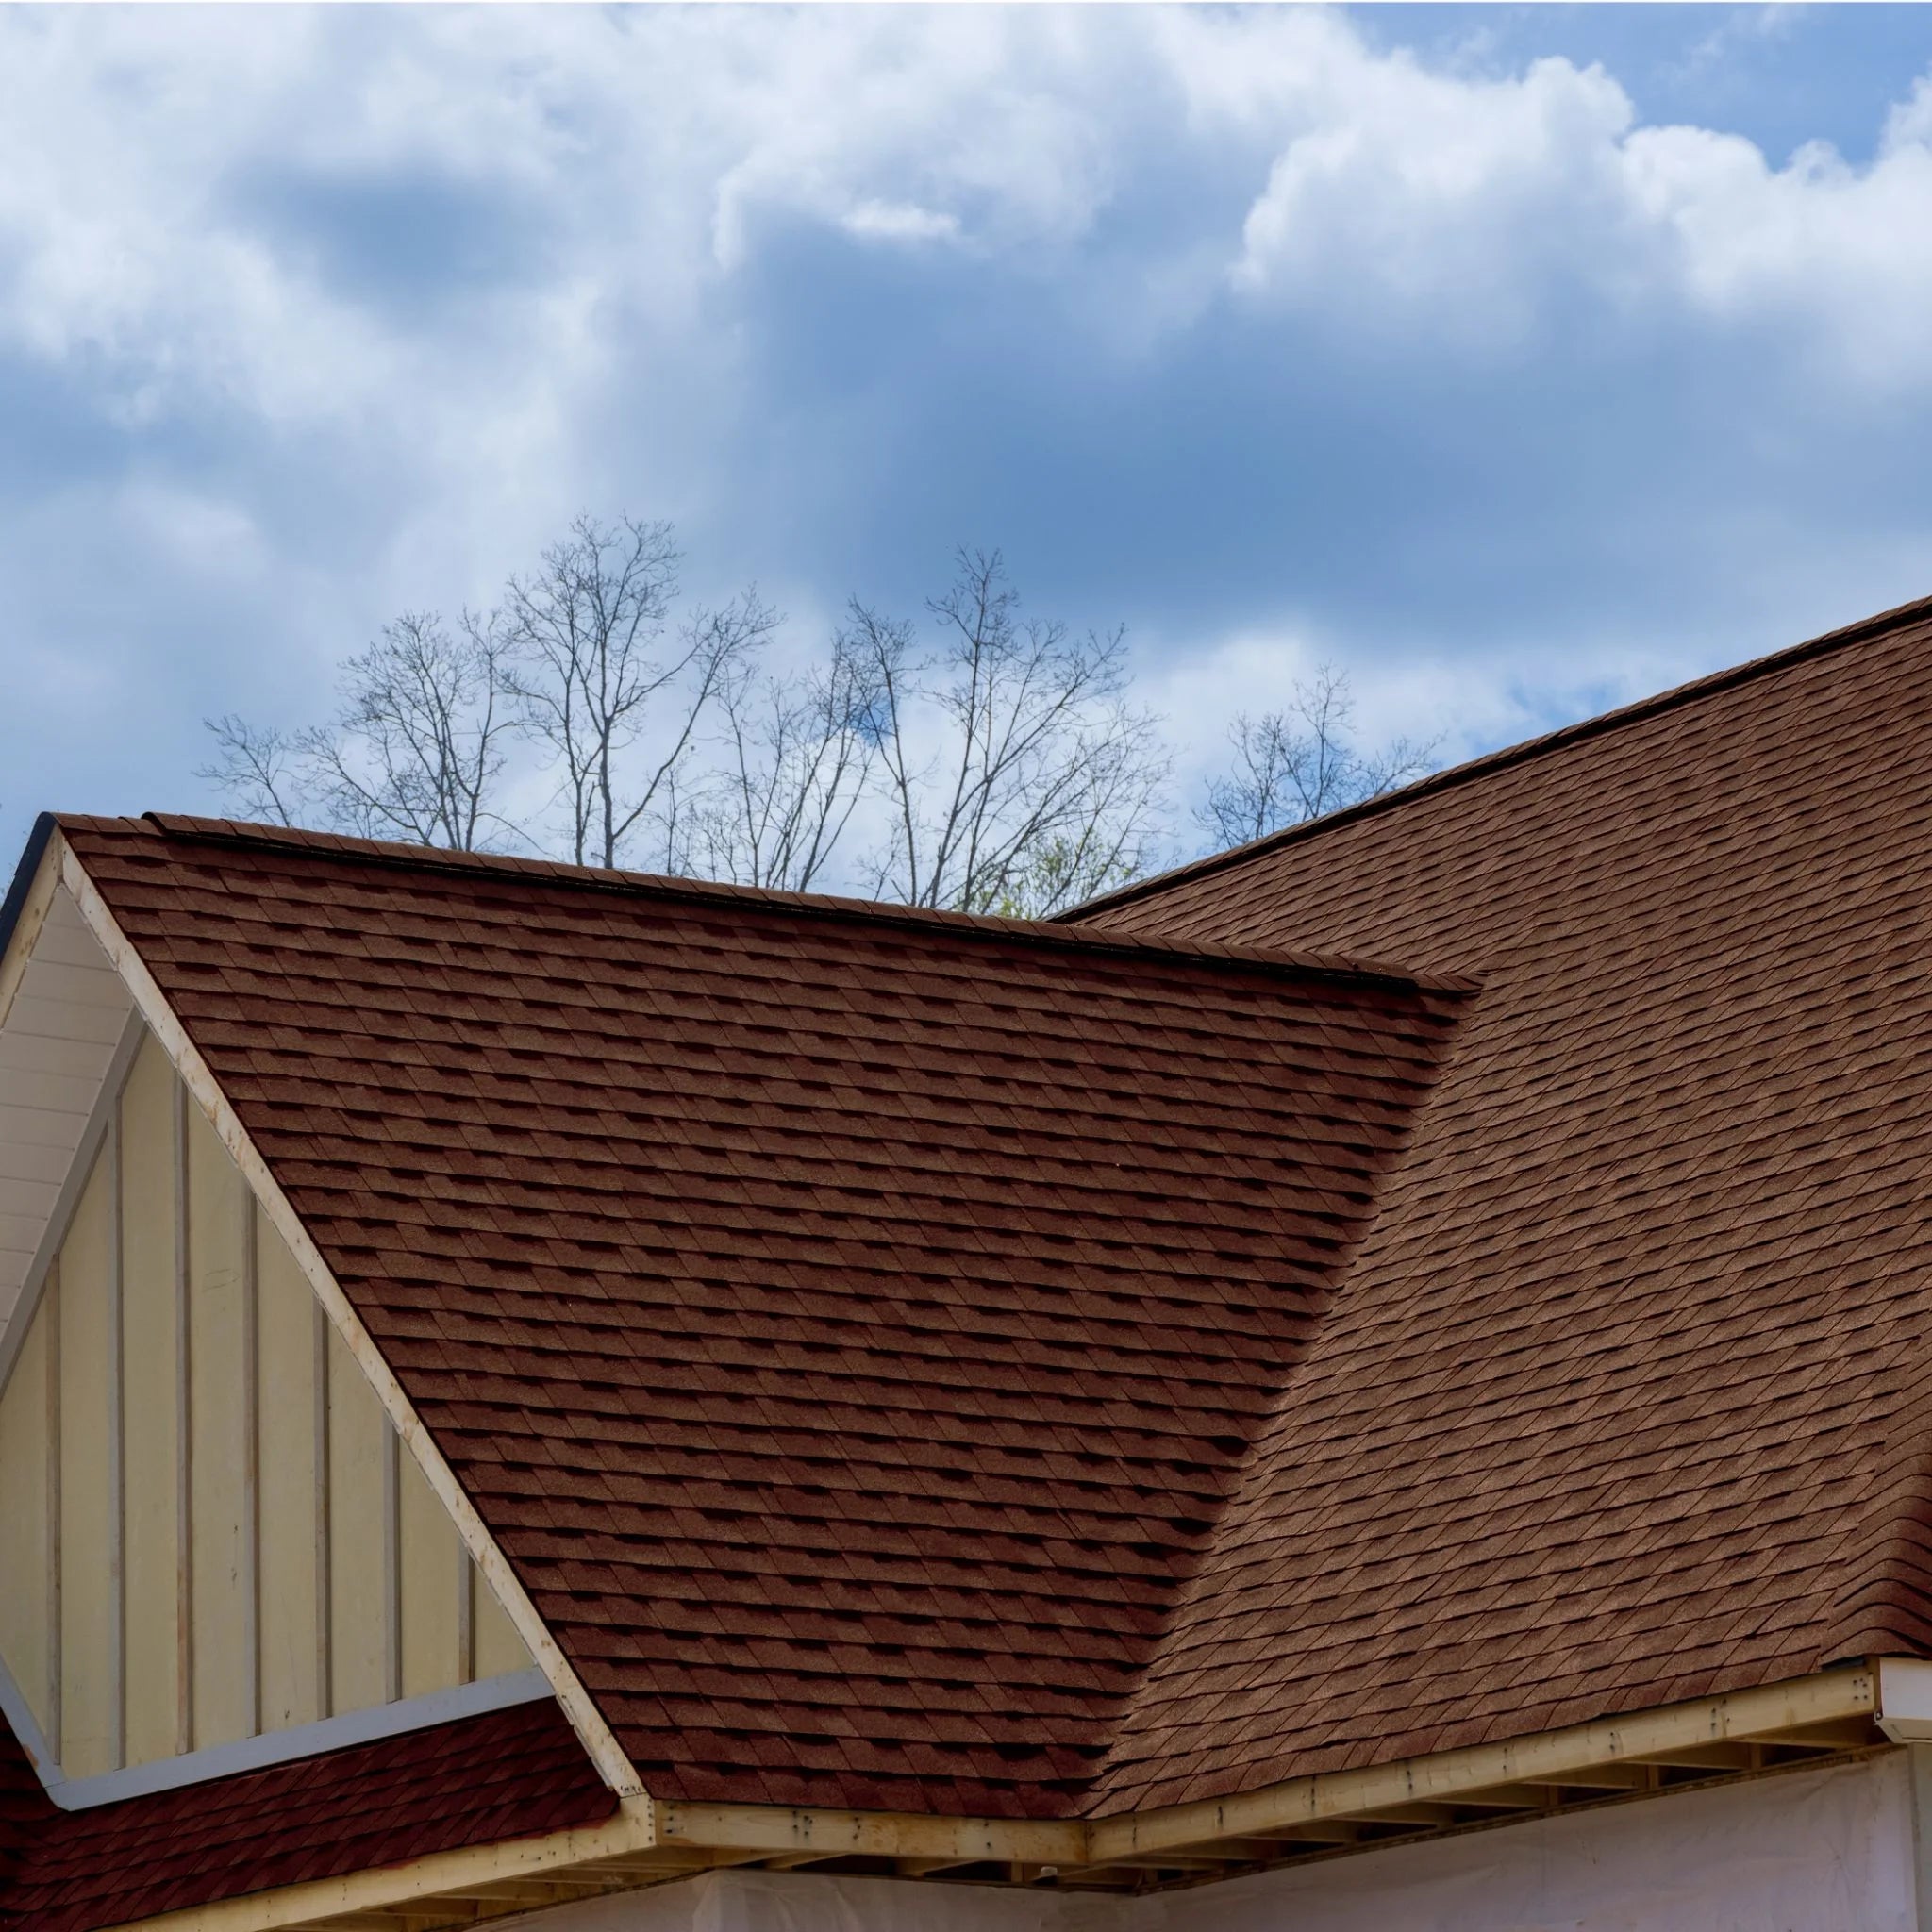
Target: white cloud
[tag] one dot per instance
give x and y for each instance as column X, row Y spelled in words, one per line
column 899, row 221
column 1412, row 199
column 637, row 166
column 646, row 152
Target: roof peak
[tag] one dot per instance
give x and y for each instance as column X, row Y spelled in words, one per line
column 1054, row 935
column 1712, row 684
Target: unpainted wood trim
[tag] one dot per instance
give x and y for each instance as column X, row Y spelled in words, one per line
column 714, row 1835
column 830, row 1834
column 27, row 931
column 87, row 1151
column 1541, row 1758
column 613, row 1763
column 477, row 1868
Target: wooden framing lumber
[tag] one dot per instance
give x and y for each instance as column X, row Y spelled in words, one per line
column 1812, row 1720
column 1448, row 1776
column 783, row 1832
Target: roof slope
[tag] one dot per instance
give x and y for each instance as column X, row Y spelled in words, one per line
column 1627, row 1396
column 849, row 1323
column 511, row 1773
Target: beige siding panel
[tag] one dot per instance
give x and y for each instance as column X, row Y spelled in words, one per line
column 357, row 1591
column 147, row 1321
column 89, row 1586
column 219, row 1448
column 499, row 1649
column 25, row 1548
column 54, row 1048
column 290, row 1531
column 432, row 1578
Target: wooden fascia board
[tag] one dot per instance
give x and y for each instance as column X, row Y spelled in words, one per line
column 779, row 1829
column 717, row 1835
column 612, row 1761
column 632, row 1829
column 1541, row 1758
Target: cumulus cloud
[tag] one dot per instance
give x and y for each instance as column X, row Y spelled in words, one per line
column 1485, row 204
column 322, row 314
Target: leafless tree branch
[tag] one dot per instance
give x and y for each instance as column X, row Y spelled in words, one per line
column 796, row 755
column 1302, row 762
column 1040, row 777
column 597, row 665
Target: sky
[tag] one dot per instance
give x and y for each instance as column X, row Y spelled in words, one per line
column 1519, row 360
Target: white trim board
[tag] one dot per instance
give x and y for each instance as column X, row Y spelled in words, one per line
column 282, row 1747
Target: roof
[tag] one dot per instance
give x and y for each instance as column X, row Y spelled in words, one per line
column 938, row 1364
column 511, row 1774
column 848, row 1322
column 1625, row 1397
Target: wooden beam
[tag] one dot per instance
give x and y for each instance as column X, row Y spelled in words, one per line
column 1518, row 1797
column 1546, row 1757
column 780, row 1830
column 1705, row 1757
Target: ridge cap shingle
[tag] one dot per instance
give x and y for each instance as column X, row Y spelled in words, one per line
column 1712, row 684
column 1292, row 962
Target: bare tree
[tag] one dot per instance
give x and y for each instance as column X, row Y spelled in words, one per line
column 414, row 752
column 796, row 757
column 258, row 769
column 598, row 666
column 1016, row 776
column 1302, row 762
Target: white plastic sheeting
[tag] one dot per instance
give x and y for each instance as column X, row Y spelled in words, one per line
column 1825, row 1850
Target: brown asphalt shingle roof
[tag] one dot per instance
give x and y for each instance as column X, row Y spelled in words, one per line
column 849, row 1323
column 936, row 1364
column 1628, row 1396
column 511, row 1773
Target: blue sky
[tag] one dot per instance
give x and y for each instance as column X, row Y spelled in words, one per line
column 1522, row 360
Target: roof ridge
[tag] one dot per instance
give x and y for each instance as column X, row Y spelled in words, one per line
column 1053, row 934
column 1918, row 610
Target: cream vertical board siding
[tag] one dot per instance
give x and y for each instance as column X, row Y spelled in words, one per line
column 148, row 1427
column 90, row 1720
column 179, row 1414
column 25, row 1548
column 358, row 1632
column 219, row 1448
column 290, row 1527
column 60, row 1031
column 498, row 1648
column 432, row 1578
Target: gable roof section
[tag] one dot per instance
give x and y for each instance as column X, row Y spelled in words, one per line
column 1625, row 1396
column 848, row 1322
column 509, row 1773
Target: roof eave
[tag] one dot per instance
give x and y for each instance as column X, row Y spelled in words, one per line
column 1829, row 1717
